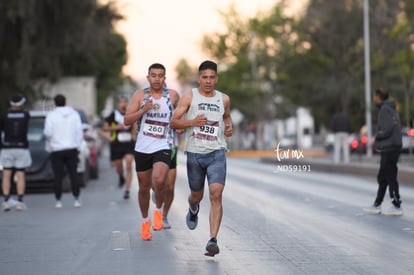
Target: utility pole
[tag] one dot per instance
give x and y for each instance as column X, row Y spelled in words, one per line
column 367, row 78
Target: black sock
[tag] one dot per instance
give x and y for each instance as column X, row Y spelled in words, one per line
column 6, row 198
column 397, row 203
column 20, row 198
column 121, row 180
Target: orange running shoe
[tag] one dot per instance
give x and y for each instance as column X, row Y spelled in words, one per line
column 145, row 231
column 157, row 220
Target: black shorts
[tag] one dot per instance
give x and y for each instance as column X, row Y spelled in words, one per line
column 173, row 163
column 145, row 162
column 119, row 150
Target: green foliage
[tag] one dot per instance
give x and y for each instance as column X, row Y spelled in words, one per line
column 55, row 38
column 247, row 53
column 327, row 68
column 316, row 60
column 185, row 73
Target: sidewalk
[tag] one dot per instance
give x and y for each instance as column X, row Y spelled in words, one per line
column 319, row 160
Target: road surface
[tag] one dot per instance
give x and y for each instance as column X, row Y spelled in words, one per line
column 274, row 223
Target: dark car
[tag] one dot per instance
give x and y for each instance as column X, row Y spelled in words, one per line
column 359, row 141
column 40, row 173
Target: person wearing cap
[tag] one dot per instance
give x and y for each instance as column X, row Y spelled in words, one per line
column 15, row 154
column 122, row 143
column 388, row 141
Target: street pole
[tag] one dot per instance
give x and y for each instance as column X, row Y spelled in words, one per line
column 367, row 78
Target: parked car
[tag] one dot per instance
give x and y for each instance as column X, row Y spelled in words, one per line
column 359, row 141
column 93, row 143
column 407, row 140
column 353, row 140
column 40, row 173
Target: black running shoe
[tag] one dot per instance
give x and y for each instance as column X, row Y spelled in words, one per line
column 126, row 195
column 212, row 248
column 121, row 181
column 192, row 219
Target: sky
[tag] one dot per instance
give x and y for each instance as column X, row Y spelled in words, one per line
column 165, row 31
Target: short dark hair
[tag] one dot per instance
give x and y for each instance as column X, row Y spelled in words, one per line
column 382, row 93
column 206, row 65
column 156, row 66
column 60, row 100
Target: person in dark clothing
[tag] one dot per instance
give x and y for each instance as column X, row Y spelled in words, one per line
column 341, row 127
column 122, row 143
column 15, row 155
column 388, row 142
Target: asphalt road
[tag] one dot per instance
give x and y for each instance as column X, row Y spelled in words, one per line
column 274, row 223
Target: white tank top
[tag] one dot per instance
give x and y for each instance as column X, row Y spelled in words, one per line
column 210, row 137
column 154, row 130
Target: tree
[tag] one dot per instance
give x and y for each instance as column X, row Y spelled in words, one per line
column 325, row 70
column 185, row 73
column 53, row 38
column 316, row 60
column 401, row 68
column 248, row 54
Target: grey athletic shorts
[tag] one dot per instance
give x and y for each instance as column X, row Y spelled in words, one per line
column 213, row 165
column 18, row 158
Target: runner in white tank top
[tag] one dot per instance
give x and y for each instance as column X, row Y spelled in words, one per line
column 209, row 137
column 205, row 114
column 154, row 130
column 151, row 108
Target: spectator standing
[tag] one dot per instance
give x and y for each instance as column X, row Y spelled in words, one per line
column 15, row 154
column 388, row 141
column 341, row 127
column 122, row 143
column 64, row 133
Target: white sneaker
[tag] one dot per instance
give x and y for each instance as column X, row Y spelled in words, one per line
column 21, row 206
column 77, row 204
column 58, row 204
column 6, row 206
column 393, row 211
column 373, row 209
column 12, row 202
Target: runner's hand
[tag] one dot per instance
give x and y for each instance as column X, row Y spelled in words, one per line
column 119, row 127
column 200, row 120
column 147, row 105
column 228, row 131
